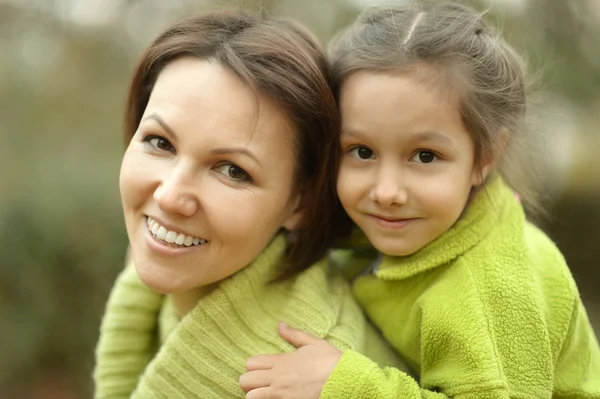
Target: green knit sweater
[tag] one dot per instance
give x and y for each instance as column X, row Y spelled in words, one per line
column 488, row 310
column 204, row 354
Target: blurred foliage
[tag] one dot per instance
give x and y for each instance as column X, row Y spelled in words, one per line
column 64, row 73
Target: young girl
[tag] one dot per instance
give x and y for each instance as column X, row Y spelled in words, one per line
column 475, row 298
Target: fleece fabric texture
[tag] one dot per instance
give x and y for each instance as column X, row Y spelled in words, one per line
column 488, row 310
column 145, row 352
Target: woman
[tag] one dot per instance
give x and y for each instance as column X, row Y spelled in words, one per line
column 231, row 130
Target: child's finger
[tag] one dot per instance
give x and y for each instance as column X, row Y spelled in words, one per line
column 255, row 379
column 261, row 362
column 260, row 393
column 296, row 337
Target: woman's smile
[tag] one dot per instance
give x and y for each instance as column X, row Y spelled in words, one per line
column 166, row 242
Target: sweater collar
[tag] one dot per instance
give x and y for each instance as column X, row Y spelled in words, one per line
column 485, row 210
column 239, row 318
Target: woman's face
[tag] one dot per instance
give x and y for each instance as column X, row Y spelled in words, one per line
column 208, row 178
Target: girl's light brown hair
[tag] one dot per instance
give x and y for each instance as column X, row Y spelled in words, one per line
column 279, row 59
column 452, row 48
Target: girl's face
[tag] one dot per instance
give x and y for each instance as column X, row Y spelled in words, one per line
column 208, row 178
column 408, row 160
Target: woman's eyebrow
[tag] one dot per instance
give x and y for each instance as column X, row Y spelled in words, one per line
column 218, row 151
column 170, row 132
column 235, row 150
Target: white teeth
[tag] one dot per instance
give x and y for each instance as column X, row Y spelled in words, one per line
column 172, row 237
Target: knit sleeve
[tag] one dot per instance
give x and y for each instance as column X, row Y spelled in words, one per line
column 126, row 336
column 578, row 367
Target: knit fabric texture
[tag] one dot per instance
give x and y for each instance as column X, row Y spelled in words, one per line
column 488, row 310
column 145, row 352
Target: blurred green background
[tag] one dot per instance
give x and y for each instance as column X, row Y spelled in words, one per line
column 64, row 70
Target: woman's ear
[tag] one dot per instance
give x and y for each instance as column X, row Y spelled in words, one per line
column 295, row 215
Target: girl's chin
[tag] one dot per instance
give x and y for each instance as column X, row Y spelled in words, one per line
column 393, row 249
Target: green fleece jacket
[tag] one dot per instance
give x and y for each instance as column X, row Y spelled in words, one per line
column 488, row 310
column 204, row 354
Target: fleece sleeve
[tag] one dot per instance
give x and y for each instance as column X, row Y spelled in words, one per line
column 577, row 370
column 356, row 376
column 576, row 374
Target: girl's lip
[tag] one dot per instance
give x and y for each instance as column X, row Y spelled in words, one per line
column 163, row 249
column 392, row 223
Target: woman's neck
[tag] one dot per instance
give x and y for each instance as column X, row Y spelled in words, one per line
column 185, row 301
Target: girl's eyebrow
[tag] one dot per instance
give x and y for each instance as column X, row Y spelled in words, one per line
column 433, row 137
column 351, row 133
column 429, row 136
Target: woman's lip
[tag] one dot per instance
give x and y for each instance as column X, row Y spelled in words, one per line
column 392, row 223
column 170, row 227
column 161, row 248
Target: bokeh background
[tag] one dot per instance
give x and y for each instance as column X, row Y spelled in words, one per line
column 64, row 70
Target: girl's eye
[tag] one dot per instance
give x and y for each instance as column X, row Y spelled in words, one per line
column 234, row 172
column 362, row 152
column 160, row 143
column 424, row 157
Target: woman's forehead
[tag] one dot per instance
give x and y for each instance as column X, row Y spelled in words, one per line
column 205, row 102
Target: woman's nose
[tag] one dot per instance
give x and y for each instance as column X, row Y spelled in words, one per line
column 176, row 196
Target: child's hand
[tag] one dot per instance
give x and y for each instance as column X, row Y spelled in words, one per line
column 301, row 374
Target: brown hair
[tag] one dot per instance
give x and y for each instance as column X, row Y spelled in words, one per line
column 280, row 59
column 453, row 48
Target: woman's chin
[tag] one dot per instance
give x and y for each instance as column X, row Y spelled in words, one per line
column 158, row 281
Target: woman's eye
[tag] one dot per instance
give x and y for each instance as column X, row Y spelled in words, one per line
column 362, row 152
column 160, row 143
column 424, row 157
column 234, row 172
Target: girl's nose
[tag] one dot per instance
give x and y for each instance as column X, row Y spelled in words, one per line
column 388, row 190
